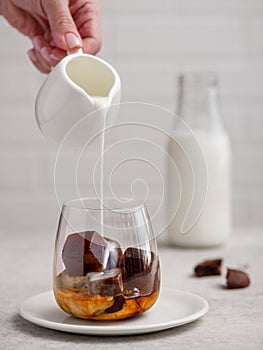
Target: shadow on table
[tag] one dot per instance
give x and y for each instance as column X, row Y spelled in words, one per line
column 35, row 331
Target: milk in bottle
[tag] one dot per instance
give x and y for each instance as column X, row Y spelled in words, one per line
column 198, row 107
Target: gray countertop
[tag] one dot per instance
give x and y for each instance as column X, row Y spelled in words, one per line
column 235, row 318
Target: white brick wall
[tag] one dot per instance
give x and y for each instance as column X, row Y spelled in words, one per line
column 150, row 43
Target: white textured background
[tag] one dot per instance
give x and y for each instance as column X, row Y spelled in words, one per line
column 149, row 42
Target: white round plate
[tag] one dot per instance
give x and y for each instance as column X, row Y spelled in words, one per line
column 173, row 308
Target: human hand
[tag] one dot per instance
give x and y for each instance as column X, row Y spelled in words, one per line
column 55, row 27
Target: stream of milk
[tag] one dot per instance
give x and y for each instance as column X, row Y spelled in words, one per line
column 102, row 103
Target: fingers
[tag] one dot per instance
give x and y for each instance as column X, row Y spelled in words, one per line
column 21, row 19
column 62, row 25
column 91, row 35
column 91, row 45
column 36, row 62
column 88, row 22
column 70, row 28
column 44, row 56
column 57, row 54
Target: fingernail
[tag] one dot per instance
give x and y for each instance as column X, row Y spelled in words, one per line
column 72, row 40
column 45, row 54
column 32, row 55
column 37, row 43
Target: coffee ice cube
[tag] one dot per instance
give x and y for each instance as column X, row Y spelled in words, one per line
column 115, row 259
column 63, row 280
column 106, row 283
column 85, row 252
column 141, row 272
column 137, row 261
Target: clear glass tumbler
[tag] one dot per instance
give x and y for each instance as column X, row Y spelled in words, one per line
column 106, row 264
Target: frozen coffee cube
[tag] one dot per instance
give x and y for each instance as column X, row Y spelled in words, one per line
column 137, row 261
column 106, row 283
column 140, row 268
column 85, row 252
column 115, row 259
column 63, row 280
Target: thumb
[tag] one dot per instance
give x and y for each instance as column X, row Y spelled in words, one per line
column 62, row 25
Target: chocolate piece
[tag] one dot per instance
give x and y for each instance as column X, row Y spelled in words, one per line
column 237, row 279
column 117, row 305
column 208, row 268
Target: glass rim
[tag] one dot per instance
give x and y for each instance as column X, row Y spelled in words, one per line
column 137, row 205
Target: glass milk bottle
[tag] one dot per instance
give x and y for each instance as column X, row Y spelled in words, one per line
column 198, row 107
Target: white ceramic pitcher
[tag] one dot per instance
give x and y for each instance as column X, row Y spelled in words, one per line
column 70, row 92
